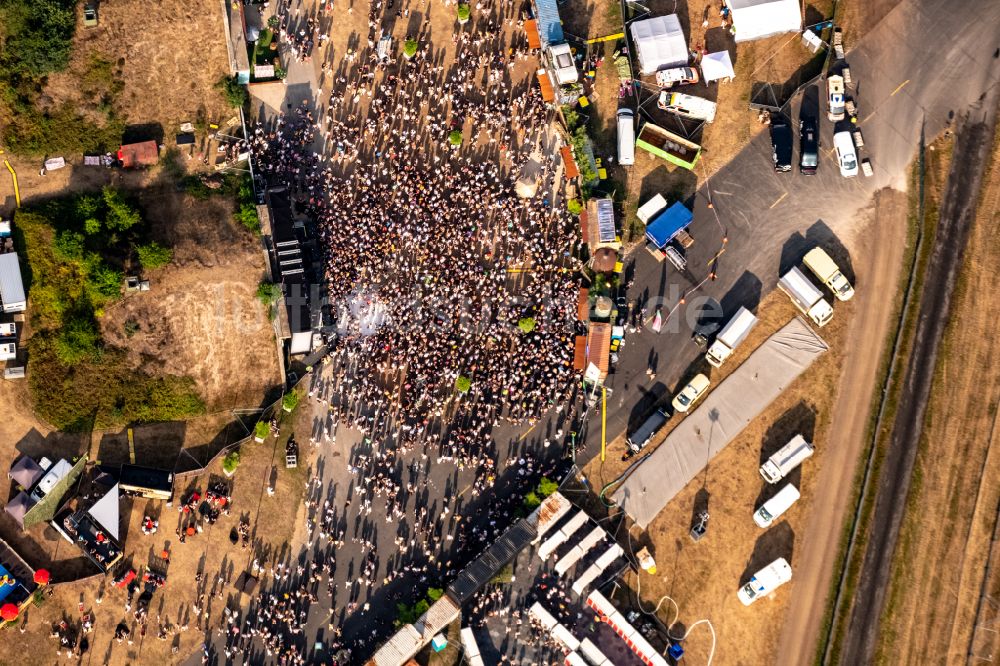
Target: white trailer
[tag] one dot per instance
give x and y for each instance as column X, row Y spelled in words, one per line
column 11, row 286
column 786, row 459
column 651, row 208
column 806, row 296
column 823, row 267
column 8, row 330
column 765, row 581
column 731, row 335
column 8, row 351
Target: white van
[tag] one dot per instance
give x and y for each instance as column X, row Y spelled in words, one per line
column 770, row 510
column 823, row 267
column 626, row 137
column 766, row 581
column 786, row 459
column 847, row 156
column 687, row 106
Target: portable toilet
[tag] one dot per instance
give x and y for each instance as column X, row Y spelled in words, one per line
column 439, row 642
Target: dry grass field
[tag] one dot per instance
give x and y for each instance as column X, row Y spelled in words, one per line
column 946, row 538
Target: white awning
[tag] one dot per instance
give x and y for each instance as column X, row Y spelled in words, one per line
column 715, row 66
column 659, row 43
column 105, row 512
column 756, row 19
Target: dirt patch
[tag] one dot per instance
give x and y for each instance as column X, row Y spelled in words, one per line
column 956, row 475
column 169, row 55
column 201, row 317
column 974, row 142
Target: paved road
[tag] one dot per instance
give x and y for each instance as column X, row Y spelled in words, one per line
column 971, row 155
column 770, row 220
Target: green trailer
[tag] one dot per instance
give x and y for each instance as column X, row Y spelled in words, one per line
column 668, row 146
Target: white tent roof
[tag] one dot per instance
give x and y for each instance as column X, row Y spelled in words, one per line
column 715, row 66
column 755, row 19
column 105, row 511
column 659, row 43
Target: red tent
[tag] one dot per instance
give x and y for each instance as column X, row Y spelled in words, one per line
column 42, row 577
column 8, row 612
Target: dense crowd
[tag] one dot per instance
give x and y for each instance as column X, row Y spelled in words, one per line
column 456, row 297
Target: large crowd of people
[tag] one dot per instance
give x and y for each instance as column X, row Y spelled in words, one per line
column 455, row 297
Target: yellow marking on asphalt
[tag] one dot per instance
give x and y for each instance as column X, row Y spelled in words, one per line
column 718, row 254
column 899, row 87
column 780, row 199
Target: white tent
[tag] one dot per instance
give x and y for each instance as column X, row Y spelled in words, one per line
column 105, row 512
column 715, row 66
column 659, row 43
column 755, row 19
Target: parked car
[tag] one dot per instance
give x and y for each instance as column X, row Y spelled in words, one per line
column 90, row 14
column 847, row 156
column 808, row 145
column 687, row 106
column 689, row 394
column 683, row 76
column 781, row 144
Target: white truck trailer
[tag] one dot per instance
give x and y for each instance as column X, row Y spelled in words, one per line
column 786, row 459
column 731, row 335
column 806, row 296
column 823, row 267
column 765, row 581
column 11, row 285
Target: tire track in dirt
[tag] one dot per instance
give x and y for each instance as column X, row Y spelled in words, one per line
column 971, row 155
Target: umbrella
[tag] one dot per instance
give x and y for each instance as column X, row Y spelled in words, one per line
column 42, row 577
column 8, row 611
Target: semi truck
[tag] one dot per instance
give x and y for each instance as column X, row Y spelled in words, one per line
column 765, row 581
column 806, row 296
column 823, row 267
column 835, row 97
column 787, row 458
column 731, row 335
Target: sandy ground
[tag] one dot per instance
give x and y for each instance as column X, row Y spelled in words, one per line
column 210, row 552
column 702, row 578
column 201, row 313
column 881, row 251
column 956, row 476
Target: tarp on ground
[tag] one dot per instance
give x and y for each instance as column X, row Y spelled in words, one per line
column 659, row 43
column 723, row 414
column 716, row 66
column 756, row 19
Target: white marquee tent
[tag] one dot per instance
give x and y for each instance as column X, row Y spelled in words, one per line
column 105, row 511
column 755, row 19
column 659, row 43
column 716, row 66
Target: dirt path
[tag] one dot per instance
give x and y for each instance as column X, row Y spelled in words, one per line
column 882, row 247
column 958, row 210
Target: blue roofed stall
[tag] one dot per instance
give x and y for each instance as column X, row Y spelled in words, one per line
column 668, row 224
column 549, row 25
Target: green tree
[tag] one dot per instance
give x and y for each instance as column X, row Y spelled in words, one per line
column 546, row 487
column 92, row 226
column 526, row 324
column 121, row 215
column 410, row 47
column 247, row 216
column 153, row 255
column 463, row 384
column 455, row 138
column 68, row 245
column 235, row 93
column 86, row 206
column 574, row 206
column 290, row 401
column 105, row 280
column 39, row 36
column 268, row 293
column 531, row 501
column 434, row 593
column 261, row 430
column 231, row 462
